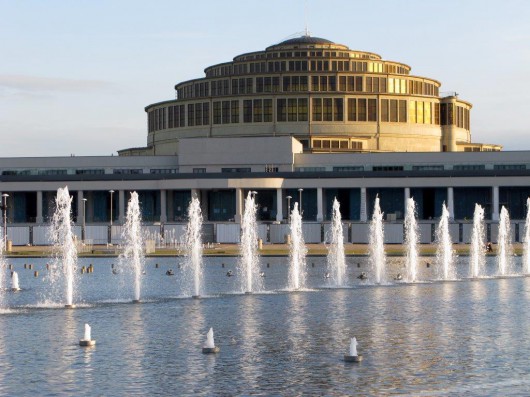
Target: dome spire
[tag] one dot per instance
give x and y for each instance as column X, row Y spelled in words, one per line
column 307, row 33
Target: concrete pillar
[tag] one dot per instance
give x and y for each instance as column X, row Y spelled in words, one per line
column 39, row 219
column 407, row 196
column 163, row 208
column 121, row 206
column 80, row 195
column 239, row 205
column 364, row 210
column 450, row 203
column 279, row 205
column 202, row 195
column 170, row 214
column 320, row 212
column 495, row 207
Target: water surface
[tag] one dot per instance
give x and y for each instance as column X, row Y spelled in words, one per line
column 466, row 337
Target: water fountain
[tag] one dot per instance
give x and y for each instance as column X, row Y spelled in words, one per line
column 209, row 345
column 297, row 252
column 248, row 264
column 526, row 240
column 504, row 244
column 353, row 356
column 478, row 235
column 65, row 248
column 376, row 244
column 14, row 282
column 411, row 241
column 133, row 254
column 2, row 270
column 193, row 248
column 445, row 256
column 336, row 260
column 87, row 338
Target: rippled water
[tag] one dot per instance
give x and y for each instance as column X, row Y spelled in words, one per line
column 467, row 337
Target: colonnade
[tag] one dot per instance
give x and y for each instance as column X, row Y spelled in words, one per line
column 281, row 210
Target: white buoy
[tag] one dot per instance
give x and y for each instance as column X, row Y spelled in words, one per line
column 353, row 357
column 87, row 341
column 209, row 345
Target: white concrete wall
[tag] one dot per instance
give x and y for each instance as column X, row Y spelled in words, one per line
column 467, row 230
column 454, row 232
column 312, row 233
column 98, row 234
column 394, row 233
column 174, row 233
column 360, row 233
column 327, row 232
column 424, row 229
column 19, row 235
column 228, row 233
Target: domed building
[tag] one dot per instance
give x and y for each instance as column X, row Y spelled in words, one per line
column 328, row 97
column 305, row 121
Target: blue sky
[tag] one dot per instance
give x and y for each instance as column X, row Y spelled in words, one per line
column 75, row 76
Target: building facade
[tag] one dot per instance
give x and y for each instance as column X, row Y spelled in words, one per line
column 100, row 189
column 327, row 96
column 306, row 121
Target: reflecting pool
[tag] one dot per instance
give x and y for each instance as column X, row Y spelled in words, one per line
column 462, row 337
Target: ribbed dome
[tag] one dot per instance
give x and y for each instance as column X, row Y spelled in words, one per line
column 305, row 40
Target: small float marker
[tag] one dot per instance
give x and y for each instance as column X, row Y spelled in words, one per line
column 209, row 346
column 352, row 357
column 87, row 341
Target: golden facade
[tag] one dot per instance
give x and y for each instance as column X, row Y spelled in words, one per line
column 329, row 97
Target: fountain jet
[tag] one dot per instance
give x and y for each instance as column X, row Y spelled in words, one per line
column 248, row 249
column 336, row 260
column 209, row 345
column 478, row 235
column 14, row 282
column 2, row 266
column 445, row 256
column 376, row 245
column 526, row 241
column 133, row 253
column 297, row 251
column 504, row 244
column 64, row 244
column 193, row 247
column 411, row 240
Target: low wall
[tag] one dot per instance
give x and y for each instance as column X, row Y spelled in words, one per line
column 172, row 235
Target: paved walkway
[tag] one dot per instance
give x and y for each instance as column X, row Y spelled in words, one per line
column 233, row 250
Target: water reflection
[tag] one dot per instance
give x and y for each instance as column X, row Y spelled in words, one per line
column 423, row 338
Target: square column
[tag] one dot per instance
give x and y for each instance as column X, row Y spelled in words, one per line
column 279, row 205
column 450, row 203
column 80, row 195
column 363, row 211
column 495, row 206
column 121, row 206
column 163, row 208
column 39, row 206
column 239, row 205
column 202, row 195
column 320, row 216
column 407, row 196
